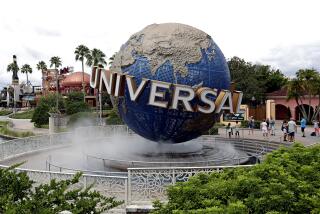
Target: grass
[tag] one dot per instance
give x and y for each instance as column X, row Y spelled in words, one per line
column 5, row 112
column 4, row 130
column 23, row 115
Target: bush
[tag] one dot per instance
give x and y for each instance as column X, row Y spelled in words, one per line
column 82, row 119
column 213, row 131
column 113, row 118
column 5, row 112
column 75, row 103
column 17, row 195
column 41, row 113
column 288, row 181
column 245, row 124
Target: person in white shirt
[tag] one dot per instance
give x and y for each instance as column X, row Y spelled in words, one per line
column 316, row 127
column 292, row 128
column 264, row 128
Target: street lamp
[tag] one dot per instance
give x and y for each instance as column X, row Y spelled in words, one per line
column 253, row 103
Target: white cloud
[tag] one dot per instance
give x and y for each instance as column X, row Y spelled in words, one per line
column 266, row 31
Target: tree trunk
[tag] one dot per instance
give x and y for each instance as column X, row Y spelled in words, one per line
column 27, row 78
column 83, row 87
column 57, row 90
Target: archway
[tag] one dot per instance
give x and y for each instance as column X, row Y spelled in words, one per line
column 299, row 114
column 282, row 112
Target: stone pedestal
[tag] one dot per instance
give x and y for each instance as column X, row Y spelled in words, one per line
column 57, row 122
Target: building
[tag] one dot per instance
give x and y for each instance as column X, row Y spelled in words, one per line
column 68, row 82
column 285, row 109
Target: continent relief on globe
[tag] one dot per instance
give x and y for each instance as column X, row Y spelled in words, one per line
column 161, row 79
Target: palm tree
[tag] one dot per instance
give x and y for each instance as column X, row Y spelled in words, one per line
column 13, row 67
column 26, row 69
column 56, row 62
column 305, row 85
column 97, row 57
column 82, row 52
column 42, row 66
column 111, row 59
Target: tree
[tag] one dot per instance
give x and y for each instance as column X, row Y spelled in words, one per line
column 17, row 195
column 41, row 113
column 81, row 53
column 305, row 86
column 13, row 67
column 56, row 62
column 112, row 58
column 287, row 181
column 42, row 66
column 74, row 103
column 26, row 69
column 260, row 79
column 96, row 57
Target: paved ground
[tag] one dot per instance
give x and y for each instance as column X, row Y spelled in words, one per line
column 24, row 125
column 257, row 134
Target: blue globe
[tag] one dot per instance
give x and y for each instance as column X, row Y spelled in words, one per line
column 173, row 53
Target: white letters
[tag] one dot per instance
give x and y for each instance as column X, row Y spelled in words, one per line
column 184, row 98
column 202, row 93
column 155, row 93
column 114, row 83
column 132, row 87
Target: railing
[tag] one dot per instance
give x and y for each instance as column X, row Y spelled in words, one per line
column 141, row 184
column 13, row 148
column 148, row 184
column 110, row 186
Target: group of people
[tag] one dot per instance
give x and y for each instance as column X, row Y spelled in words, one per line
column 268, row 127
column 290, row 128
column 236, row 129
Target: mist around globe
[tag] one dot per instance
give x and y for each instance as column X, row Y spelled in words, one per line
column 173, row 53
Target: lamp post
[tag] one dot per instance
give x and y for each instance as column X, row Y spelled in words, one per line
column 253, row 103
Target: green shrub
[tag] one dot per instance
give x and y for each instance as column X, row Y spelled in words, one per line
column 23, row 115
column 41, row 113
column 113, row 118
column 17, row 195
column 75, row 103
column 82, row 119
column 245, row 124
column 213, row 131
column 287, row 181
column 5, row 112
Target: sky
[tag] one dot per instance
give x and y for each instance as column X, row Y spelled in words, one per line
column 284, row 34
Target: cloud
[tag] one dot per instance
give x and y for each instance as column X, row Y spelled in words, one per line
column 290, row 59
column 46, row 32
column 34, row 54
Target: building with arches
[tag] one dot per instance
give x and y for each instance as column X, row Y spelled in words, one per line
column 286, row 109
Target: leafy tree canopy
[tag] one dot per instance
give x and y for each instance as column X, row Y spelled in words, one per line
column 288, row 181
column 254, row 80
column 17, row 195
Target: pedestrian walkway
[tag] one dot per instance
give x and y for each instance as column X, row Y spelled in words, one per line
column 24, row 125
column 257, row 134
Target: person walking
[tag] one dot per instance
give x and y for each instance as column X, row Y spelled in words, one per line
column 284, row 129
column 236, row 129
column 292, row 128
column 264, row 128
column 251, row 125
column 229, row 130
column 303, row 124
column 316, row 127
column 272, row 126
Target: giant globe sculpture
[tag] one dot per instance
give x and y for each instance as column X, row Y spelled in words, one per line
column 177, row 54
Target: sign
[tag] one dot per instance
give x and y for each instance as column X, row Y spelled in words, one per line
column 114, row 83
column 233, row 116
